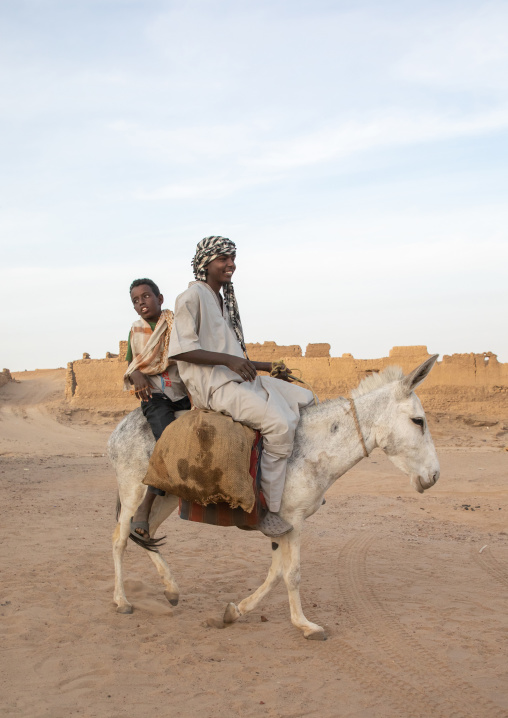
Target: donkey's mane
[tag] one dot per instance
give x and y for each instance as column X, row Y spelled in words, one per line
column 376, row 380
column 311, row 413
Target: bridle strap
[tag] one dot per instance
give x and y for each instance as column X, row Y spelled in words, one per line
column 358, row 429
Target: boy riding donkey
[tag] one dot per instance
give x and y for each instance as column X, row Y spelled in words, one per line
column 154, row 377
column 208, row 343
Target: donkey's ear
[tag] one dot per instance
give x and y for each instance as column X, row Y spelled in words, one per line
column 411, row 381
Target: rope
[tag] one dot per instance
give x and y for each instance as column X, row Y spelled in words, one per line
column 278, row 368
column 358, row 429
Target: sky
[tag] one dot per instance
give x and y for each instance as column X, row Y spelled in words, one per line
column 355, row 152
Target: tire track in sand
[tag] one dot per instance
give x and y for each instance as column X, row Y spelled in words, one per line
column 440, row 692
column 386, row 684
column 491, row 565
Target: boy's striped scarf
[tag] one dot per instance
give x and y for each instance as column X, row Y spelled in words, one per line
column 150, row 349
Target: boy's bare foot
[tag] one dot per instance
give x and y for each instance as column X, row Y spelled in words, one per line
column 139, row 521
column 141, row 529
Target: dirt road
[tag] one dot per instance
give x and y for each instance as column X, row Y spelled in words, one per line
column 412, row 590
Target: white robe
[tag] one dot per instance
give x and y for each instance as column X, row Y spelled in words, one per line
column 270, row 405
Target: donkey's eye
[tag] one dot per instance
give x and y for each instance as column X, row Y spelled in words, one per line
column 418, row 421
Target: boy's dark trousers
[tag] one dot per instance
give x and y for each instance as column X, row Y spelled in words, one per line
column 159, row 411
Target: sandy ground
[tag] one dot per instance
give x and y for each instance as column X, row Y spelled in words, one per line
column 412, row 590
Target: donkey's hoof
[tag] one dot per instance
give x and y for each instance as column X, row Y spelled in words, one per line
column 316, row 635
column 231, row 614
column 172, row 597
column 125, row 609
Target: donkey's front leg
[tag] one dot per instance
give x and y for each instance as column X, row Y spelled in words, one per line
column 290, row 551
column 234, row 612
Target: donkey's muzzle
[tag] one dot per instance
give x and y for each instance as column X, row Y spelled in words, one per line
column 430, row 481
column 421, row 484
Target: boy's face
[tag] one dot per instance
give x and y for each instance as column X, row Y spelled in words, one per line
column 221, row 269
column 146, row 304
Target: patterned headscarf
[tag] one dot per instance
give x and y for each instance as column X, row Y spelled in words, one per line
column 207, row 250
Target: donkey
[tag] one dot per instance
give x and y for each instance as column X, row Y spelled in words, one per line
column 331, row 438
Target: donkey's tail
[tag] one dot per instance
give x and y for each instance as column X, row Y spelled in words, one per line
column 150, row 544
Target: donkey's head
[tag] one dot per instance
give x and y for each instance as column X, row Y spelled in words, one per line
column 401, row 428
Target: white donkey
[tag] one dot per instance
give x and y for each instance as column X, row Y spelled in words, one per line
column 331, row 438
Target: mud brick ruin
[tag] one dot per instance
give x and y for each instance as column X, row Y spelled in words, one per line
column 5, row 377
column 461, row 382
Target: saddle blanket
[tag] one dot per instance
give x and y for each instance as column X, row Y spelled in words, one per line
column 221, row 514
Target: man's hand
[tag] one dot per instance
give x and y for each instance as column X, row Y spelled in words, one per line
column 243, row 367
column 280, row 371
column 284, row 374
column 142, row 388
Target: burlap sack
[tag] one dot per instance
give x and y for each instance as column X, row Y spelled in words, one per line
column 204, row 456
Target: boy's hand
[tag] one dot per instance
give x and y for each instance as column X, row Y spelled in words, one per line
column 142, row 388
column 243, row 367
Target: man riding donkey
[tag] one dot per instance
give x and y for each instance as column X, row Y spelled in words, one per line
column 208, row 344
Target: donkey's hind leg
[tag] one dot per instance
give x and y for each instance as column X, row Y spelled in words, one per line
column 233, row 612
column 162, row 507
column 120, row 538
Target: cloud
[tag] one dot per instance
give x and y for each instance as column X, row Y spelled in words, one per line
column 256, row 160
column 391, row 130
column 463, row 50
column 190, row 143
column 215, row 188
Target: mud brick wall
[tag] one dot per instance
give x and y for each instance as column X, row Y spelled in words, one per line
column 5, row 377
column 460, row 383
column 98, row 383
